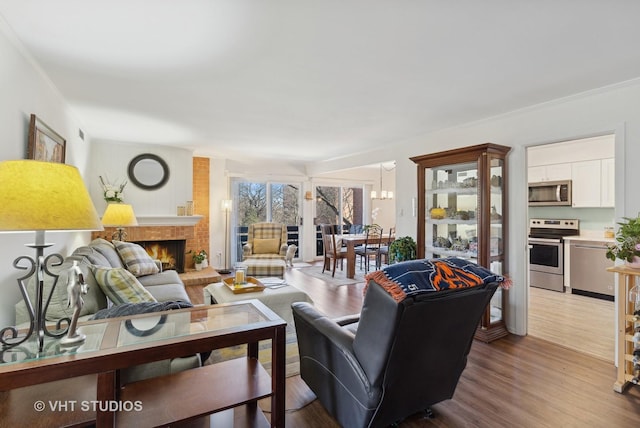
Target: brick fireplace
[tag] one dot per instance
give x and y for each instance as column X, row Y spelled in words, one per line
column 171, row 253
column 165, row 232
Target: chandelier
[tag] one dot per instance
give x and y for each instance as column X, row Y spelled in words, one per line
column 384, row 194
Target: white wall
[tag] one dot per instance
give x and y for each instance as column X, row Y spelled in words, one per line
column 25, row 90
column 110, row 159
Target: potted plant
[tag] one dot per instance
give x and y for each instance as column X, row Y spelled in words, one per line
column 402, row 249
column 628, row 242
column 199, row 259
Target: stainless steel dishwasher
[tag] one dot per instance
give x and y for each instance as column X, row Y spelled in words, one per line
column 588, row 269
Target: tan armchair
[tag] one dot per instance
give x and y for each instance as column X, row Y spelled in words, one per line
column 265, row 241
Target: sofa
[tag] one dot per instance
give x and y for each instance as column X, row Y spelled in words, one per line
column 105, row 267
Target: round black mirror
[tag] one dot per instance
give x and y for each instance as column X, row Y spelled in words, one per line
column 148, row 171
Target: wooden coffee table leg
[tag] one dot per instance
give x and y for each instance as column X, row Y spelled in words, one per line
column 278, row 367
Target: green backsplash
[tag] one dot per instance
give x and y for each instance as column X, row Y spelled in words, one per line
column 590, row 218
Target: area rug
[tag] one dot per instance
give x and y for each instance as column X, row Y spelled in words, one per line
column 340, row 277
column 264, row 354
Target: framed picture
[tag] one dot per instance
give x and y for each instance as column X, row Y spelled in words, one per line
column 45, row 144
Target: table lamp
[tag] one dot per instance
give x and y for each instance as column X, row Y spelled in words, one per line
column 40, row 196
column 119, row 215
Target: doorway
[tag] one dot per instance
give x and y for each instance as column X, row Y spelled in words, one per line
column 579, row 322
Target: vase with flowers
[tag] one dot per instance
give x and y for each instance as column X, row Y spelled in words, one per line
column 628, row 243
column 112, row 192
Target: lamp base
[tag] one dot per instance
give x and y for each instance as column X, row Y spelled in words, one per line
column 70, row 341
column 37, row 267
column 120, row 234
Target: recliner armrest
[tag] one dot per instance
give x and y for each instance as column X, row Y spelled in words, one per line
column 316, row 333
column 347, row 319
column 324, row 326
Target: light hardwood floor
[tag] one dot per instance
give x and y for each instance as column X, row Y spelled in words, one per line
column 581, row 323
column 512, row 382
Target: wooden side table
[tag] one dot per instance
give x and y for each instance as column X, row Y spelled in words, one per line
column 627, row 279
column 86, row 381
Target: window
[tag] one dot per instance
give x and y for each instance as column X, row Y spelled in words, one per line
column 264, row 202
column 339, row 206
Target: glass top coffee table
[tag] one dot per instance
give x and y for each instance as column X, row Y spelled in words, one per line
column 118, row 343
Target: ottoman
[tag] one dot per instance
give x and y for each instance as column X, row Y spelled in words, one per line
column 265, row 267
column 279, row 300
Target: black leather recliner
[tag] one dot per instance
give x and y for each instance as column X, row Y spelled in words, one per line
column 395, row 359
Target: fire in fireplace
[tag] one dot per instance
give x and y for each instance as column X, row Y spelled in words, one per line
column 169, row 252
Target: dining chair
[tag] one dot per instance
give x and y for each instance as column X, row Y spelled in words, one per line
column 332, row 251
column 370, row 248
column 384, row 248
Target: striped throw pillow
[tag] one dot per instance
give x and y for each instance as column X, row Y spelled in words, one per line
column 120, row 286
column 135, row 258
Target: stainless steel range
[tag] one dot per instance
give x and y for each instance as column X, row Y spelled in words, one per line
column 546, row 251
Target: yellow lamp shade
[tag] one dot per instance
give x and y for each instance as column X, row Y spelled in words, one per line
column 36, row 195
column 119, row 215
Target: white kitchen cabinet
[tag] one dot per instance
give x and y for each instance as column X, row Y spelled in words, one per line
column 607, row 183
column 586, row 184
column 584, row 149
column 593, row 183
column 555, row 172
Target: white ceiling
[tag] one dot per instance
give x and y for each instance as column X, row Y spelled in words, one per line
column 310, row 80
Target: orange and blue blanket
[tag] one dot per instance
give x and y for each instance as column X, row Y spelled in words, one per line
column 409, row 278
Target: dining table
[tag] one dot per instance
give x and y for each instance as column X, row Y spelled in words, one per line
column 351, row 241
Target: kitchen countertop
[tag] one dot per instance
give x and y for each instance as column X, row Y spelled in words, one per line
column 590, row 236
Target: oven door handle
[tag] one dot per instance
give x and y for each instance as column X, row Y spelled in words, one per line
column 544, row 241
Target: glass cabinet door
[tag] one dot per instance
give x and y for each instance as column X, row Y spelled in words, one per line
column 452, row 211
column 496, row 231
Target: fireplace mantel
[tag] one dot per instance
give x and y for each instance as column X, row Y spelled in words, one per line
column 169, row 220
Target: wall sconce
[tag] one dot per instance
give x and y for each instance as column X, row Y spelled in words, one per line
column 308, row 196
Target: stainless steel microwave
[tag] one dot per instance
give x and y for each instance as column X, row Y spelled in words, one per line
column 550, row 193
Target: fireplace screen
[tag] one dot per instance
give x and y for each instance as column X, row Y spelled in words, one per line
column 170, row 253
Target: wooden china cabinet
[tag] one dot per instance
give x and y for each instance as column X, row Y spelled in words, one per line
column 462, row 212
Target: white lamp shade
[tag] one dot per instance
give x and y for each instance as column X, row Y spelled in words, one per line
column 38, row 196
column 119, row 215
column 226, row 204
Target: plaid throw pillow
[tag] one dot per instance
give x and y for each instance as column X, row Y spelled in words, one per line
column 135, row 258
column 120, row 286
